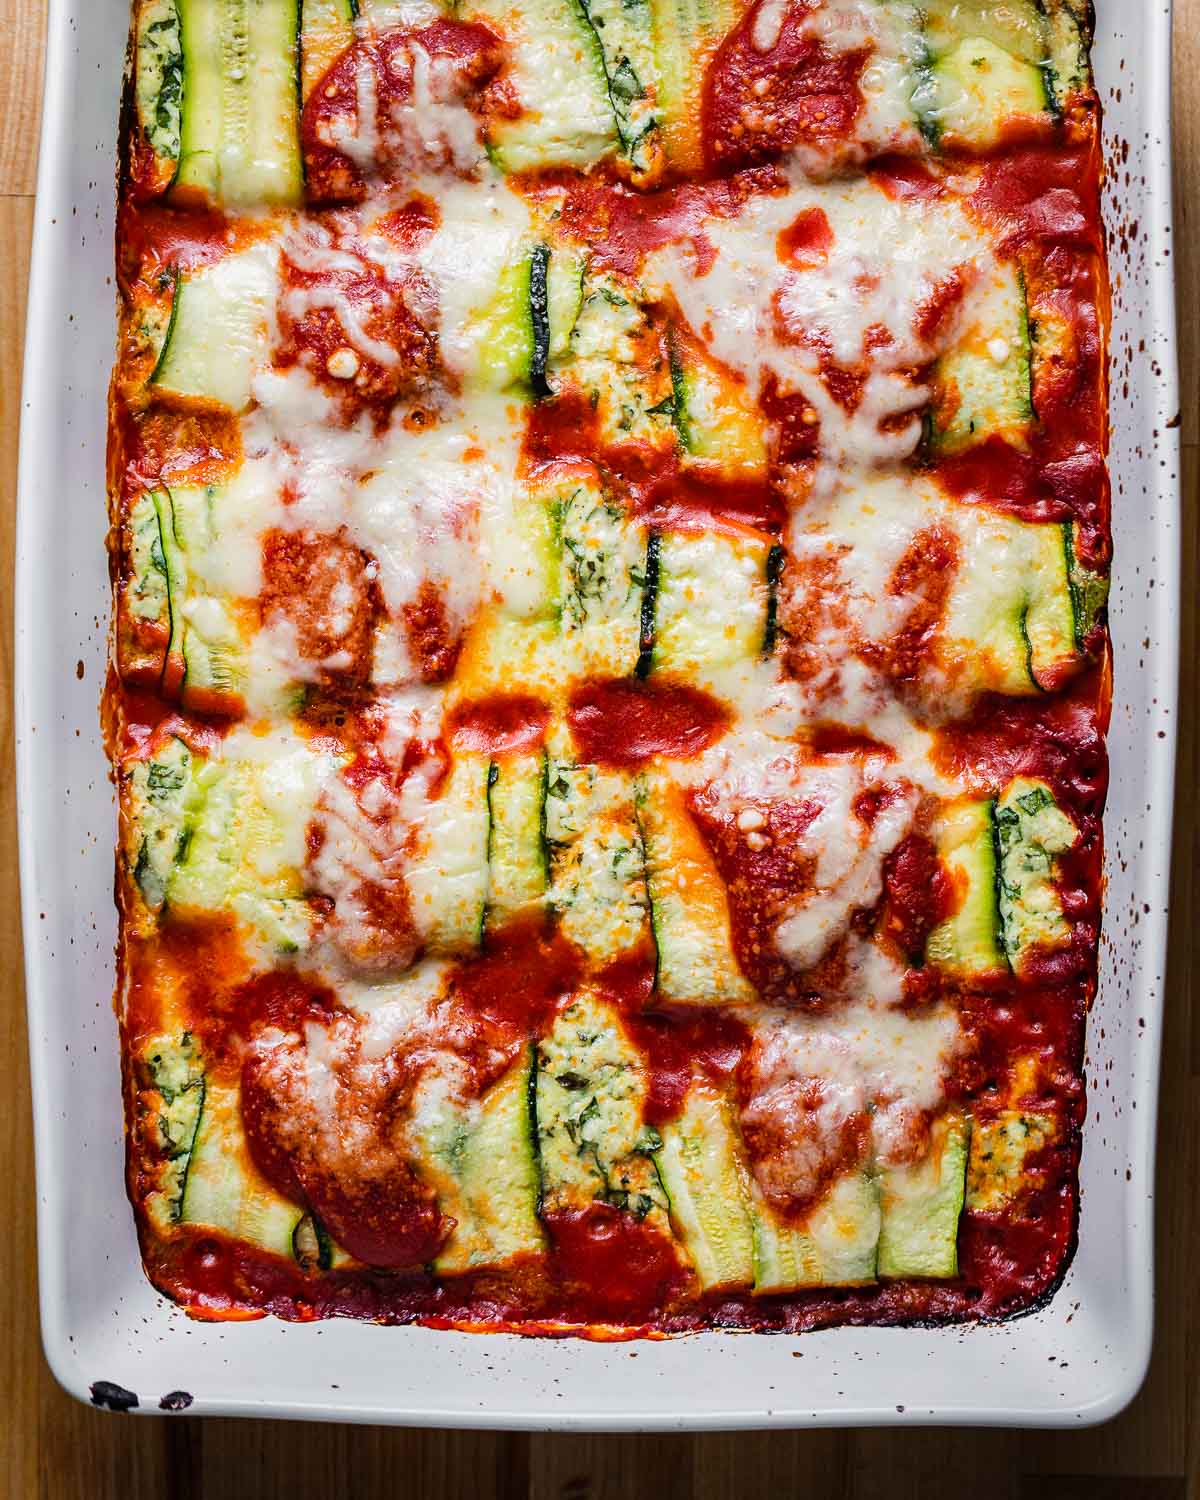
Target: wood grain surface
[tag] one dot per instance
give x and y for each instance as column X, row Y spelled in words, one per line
column 54, row 1448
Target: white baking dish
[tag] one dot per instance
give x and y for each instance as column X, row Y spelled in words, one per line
column 1078, row 1360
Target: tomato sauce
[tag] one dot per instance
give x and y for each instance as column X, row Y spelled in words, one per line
column 1060, row 741
column 511, row 993
column 612, row 1266
column 498, row 725
column 318, row 585
column 1048, row 193
column 923, row 579
column 798, row 92
column 385, row 1216
column 652, row 480
column 193, row 448
column 433, row 641
column 621, row 227
column 764, row 879
column 156, row 236
column 354, row 332
column 351, row 127
column 904, row 177
column 807, row 240
column 626, row 722
column 678, row 1046
column 918, row 893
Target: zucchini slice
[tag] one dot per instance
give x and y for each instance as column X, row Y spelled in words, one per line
column 1000, row 857
column 204, row 633
column 487, row 1172
column 525, row 557
column 603, row 576
column 175, row 570
column 569, row 573
column 181, row 544
column 1089, row 590
column 626, row 41
column 448, row 878
column 556, row 67
column 701, row 1168
column 506, row 332
column 144, row 613
column 1001, row 1144
column 159, row 793
column 836, row 1245
column 590, row 1091
column 517, row 866
column 240, row 843
column 983, row 65
column 209, row 1177
column 969, row 941
column 687, row 34
column 1069, row 41
column 1050, row 623
column 649, row 611
column 149, row 593
column 172, row 1067
column 507, row 655
column 1011, row 620
column 217, row 336
column 718, row 425
column 983, row 387
column 921, row 1205
column 689, row 911
column 240, row 130
column 327, row 29
column 617, row 357
column 529, row 320
column 224, row 1189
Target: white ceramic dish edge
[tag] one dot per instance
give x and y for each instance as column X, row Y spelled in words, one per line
column 1078, row 1360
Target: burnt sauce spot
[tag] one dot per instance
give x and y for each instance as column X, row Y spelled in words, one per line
column 115, row 1397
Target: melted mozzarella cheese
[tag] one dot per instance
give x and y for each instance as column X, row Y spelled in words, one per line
column 289, row 777
column 849, row 869
column 762, row 316
column 273, row 664
column 868, row 1056
column 418, row 514
column 768, row 24
column 398, row 1010
column 316, row 461
column 484, row 226
column 300, row 300
column 891, row 35
column 435, row 125
column 434, row 506
column 357, row 136
column 865, row 533
column 749, row 770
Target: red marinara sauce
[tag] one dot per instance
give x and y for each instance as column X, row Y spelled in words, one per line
column 772, row 88
column 352, row 124
column 627, row 722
